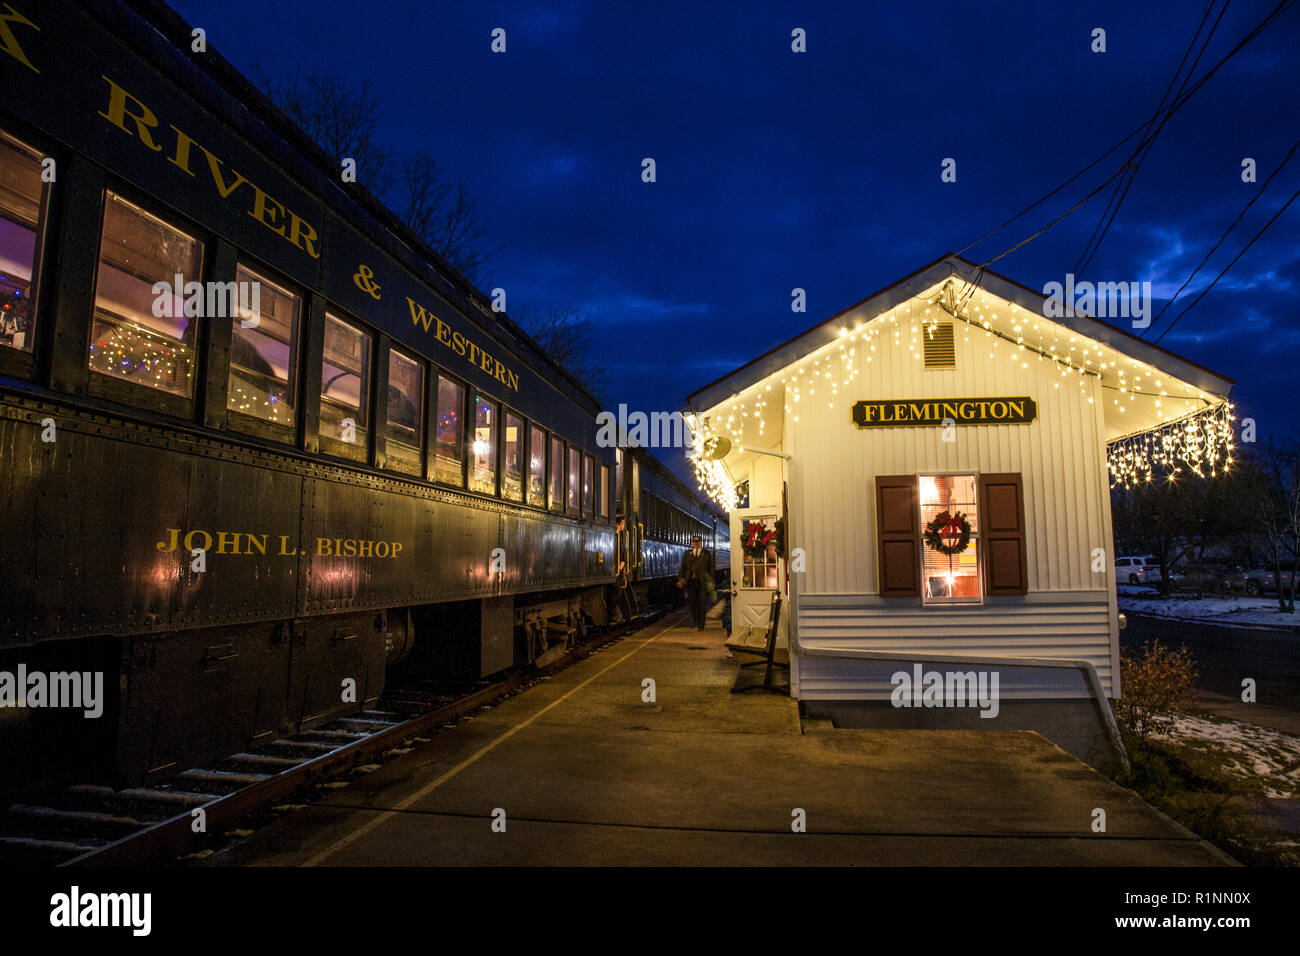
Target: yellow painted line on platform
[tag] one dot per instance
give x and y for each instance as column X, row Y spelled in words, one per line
column 438, row 782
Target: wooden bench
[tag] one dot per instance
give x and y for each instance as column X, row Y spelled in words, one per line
column 765, row 647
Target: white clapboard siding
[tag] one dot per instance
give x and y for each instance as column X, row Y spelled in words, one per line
column 1059, row 625
column 1060, row 456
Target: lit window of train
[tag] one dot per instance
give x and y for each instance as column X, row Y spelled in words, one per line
column 588, row 486
column 345, row 382
column 557, row 474
column 263, row 349
column 536, row 466
column 405, row 411
column 483, row 452
column 602, row 491
column 22, row 206
column 512, row 459
column 618, row 480
column 141, row 336
column 575, row 464
column 449, row 451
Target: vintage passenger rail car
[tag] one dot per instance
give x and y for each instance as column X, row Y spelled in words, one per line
column 258, row 440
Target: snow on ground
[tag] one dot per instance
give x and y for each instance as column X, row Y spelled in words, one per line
column 1251, row 752
column 1217, row 610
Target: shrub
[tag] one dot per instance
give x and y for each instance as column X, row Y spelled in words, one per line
column 1156, row 683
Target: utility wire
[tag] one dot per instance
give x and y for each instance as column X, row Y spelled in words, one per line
column 1263, row 186
column 1086, row 257
column 1228, row 266
column 1173, row 108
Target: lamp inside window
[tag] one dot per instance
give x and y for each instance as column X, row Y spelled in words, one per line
column 948, row 508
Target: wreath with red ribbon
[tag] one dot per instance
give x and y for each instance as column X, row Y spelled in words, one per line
column 948, row 533
column 755, row 536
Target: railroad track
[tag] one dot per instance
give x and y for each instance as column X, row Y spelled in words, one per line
column 95, row 825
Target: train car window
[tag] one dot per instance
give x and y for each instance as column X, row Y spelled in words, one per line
column 618, row 480
column 345, row 382
column 512, row 458
column 536, row 466
column 22, row 202
column 130, row 340
column 575, row 466
column 483, row 451
column 264, row 349
column 588, row 486
column 602, row 491
column 449, row 455
column 405, row 410
column 557, row 474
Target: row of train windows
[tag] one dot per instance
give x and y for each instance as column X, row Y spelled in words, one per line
column 142, row 336
column 667, row 523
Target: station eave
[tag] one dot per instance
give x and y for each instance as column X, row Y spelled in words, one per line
column 952, row 265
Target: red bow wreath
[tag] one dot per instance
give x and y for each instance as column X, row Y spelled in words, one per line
column 948, row 533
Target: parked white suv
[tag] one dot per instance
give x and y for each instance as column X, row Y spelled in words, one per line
column 1145, row 570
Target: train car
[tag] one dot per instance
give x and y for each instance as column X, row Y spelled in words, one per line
column 673, row 515
column 261, row 444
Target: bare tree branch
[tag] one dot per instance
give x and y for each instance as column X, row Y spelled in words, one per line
column 446, row 218
column 564, row 333
column 343, row 119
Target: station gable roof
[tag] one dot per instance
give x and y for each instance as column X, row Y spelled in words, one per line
column 1079, row 341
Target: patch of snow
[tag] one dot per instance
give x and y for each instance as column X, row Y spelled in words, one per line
column 1216, row 610
column 1250, row 752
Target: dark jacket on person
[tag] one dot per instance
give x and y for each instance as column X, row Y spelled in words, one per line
column 698, row 569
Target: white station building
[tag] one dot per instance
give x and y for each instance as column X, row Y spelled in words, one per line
column 950, row 391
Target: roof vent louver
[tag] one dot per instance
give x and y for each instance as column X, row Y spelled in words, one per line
column 940, row 348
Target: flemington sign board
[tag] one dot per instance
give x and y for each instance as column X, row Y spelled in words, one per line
column 892, row 413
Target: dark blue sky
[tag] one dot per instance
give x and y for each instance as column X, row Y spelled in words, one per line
column 822, row 170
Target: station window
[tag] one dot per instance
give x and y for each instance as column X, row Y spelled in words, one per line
column 588, row 486
column 344, row 382
column 483, row 451
column 449, row 450
column 557, row 474
column 536, row 466
column 129, row 339
column 22, row 206
column 405, row 399
column 602, row 491
column 575, row 476
column 512, row 458
column 264, row 349
column 945, row 578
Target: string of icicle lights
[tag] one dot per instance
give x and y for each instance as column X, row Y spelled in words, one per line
column 1199, row 444
column 712, row 476
column 989, row 328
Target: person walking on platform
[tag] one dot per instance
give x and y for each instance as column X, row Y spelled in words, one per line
column 623, row 598
column 695, row 576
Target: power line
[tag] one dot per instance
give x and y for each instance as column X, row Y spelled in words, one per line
column 1228, row 266
column 1177, row 104
column 1222, row 238
column 1128, row 183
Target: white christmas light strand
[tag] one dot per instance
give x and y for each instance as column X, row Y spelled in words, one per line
column 983, row 321
column 1200, row 443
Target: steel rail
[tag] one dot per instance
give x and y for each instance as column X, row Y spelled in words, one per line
column 173, row 834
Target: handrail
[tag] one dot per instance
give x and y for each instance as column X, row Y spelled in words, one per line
column 1090, row 676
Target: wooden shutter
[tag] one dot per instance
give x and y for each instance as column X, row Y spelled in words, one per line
column 1002, row 534
column 898, row 531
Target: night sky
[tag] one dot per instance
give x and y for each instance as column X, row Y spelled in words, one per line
column 821, row 170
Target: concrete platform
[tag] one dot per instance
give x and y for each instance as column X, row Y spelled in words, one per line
column 588, row 773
